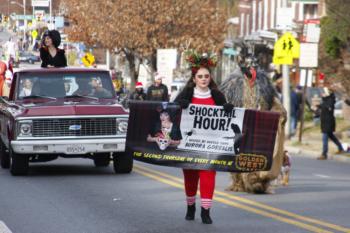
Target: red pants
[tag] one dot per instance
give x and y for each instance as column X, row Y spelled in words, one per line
column 206, row 186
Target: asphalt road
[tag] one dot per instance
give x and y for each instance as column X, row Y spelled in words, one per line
column 71, row 195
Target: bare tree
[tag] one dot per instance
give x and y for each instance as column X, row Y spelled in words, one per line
column 139, row 28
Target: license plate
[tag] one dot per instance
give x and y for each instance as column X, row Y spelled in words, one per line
column 75, row 149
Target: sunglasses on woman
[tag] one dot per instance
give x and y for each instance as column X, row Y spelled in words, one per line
column 200, row 76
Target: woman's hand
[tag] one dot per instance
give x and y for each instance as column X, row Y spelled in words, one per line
column 174, row 142
column 228, row 107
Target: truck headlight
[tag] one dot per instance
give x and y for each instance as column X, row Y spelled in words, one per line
column 122, row 126
column 25, row 128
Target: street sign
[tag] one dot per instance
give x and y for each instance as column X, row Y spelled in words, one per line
column 88, row 59
column 166, row 63
column 285, row 49
column 309, row 55
column 284, row 19
column 40, row 3
column 24, row 17
column 34, row 34
column 312, row 30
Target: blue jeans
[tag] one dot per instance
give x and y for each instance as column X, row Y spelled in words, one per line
column 293, row 124
column 325, row 137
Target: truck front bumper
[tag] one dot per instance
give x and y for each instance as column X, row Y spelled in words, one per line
column 75, row 146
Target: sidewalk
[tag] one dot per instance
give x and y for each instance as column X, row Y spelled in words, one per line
column 311, row 145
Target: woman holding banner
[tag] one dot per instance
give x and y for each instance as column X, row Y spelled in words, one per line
column 200, row 89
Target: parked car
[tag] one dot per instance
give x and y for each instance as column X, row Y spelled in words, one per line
column 66, row 112
column 29, row 57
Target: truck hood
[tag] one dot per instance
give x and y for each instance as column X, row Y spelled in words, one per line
column 62, row 107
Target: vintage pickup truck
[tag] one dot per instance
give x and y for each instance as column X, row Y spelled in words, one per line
column 66, row 112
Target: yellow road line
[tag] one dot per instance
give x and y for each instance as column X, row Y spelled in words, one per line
column 284, row 212
column 253, row 203
column 240, row 206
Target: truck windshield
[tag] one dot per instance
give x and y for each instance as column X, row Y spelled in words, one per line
column 61, row 85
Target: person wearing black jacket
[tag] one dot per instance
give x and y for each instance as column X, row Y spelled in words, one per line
column 328, row 123
column 50, row 54
column 138, row 94
column 158, row 91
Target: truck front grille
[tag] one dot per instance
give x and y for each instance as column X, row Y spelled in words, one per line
column 74, row 127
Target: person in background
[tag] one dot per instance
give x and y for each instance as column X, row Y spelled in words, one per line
column 84, row 86
column 50, row 54
column 27, row 88
column 328, row 123
column 138, row 94
column 3, row 68
column 276, row 75
column 278, row 86
column 158, row 91
column 8, row 75
column 11, row 48
column 98, row 90
column 200, row 89
column 294, row 111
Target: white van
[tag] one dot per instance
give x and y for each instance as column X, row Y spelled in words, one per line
column 175, row 89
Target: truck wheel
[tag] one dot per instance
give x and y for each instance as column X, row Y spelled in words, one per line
column 122, row 162
column 102, row 160
column 4, row 156
column 19, row 164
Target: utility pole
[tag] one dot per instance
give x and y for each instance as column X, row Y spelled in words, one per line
column 25, row 21
column 108, row 59
column 286, row 96
column 303, row 106
column 51, row 26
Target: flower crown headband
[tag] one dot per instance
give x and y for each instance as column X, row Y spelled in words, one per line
column 196, row 60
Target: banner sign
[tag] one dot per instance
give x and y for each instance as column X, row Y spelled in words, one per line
column 201, row 136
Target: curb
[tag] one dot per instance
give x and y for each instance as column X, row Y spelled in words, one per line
column 312, row 154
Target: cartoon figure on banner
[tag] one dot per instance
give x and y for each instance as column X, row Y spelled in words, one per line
column 237, row 138
column 165, row 131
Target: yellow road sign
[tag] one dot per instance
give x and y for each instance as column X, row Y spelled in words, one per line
column 282, row 60
column 88, row 59
column 286, row 48
column 34, row 34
